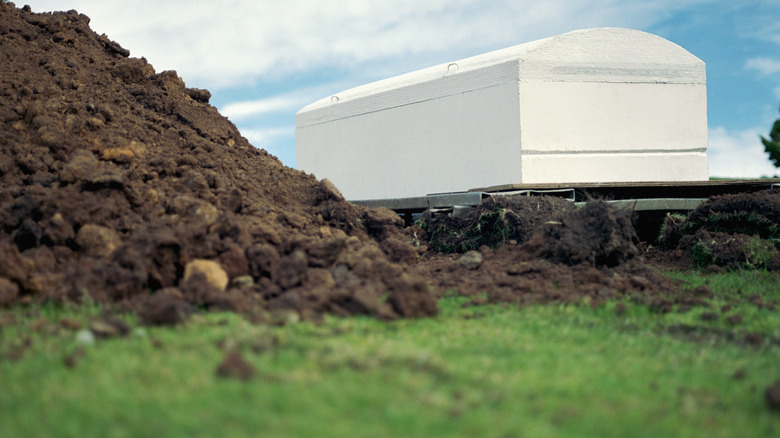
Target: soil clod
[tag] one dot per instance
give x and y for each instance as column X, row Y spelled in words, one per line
column 235, row 366
column 772, row 396
column 121, row 185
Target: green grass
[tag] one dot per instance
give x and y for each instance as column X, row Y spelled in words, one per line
column 478, row 371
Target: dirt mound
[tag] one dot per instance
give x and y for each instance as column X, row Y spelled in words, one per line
column 596, row 234
column 495, row 221
column 121, row 185
column 745, row 213
column 513, row 274
column 728, row 231
column 551, row 227
column 573, row 255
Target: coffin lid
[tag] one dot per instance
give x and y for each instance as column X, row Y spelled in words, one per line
column 608, row 55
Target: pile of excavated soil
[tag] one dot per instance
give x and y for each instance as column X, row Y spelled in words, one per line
column 592, row 254
column 120, row 185
column 585, row 255
column 494, row 222
column 725, row 232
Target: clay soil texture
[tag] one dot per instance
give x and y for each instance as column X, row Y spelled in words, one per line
column 119, row 185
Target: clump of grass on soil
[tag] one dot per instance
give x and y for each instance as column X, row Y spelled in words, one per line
column 729, row 231
column 493, row 223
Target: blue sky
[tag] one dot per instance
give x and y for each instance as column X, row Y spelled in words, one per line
column 264, row 60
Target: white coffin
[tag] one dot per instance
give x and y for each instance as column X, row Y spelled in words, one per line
column 595, row 105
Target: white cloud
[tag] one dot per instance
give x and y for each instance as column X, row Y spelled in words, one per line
column 765, row 66
column 738, row 154
column 765, row 26
column 261, row 137
column 252, row 108
column 278, row 141
column 286, row 103
column 216, row 44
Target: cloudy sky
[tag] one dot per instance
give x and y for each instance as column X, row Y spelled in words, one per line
column 264, row 60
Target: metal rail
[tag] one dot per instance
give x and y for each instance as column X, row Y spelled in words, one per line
column 640, row 196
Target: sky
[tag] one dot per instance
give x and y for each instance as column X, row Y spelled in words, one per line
column 264, row 60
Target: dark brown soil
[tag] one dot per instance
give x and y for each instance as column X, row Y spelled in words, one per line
column 235, row 366
column 726, row 232
column 587, row 255
column 493, row 223
column 772, row 396
column 115, row 177
column 120, row 185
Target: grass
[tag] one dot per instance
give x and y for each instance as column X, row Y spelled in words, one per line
column 478, row 371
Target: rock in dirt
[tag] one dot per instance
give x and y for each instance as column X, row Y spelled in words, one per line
column 115, row 178
column 85, row 337
column 211, row 271
column 109, row 327
column 471, row 260
column 97, row 241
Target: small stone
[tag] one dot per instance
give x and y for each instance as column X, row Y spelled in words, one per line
column 97, row 241
column 211, row 270
column 199, row 95
column 118, row 155
column 471, row 260
column 320, row 278
column 205, row 213
column 85, row 337
column 110, row 178
column 242, row 282
column 109, row 327
column 95, row 123
column 151, row 196
column 329, row 189
column 82, row 165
